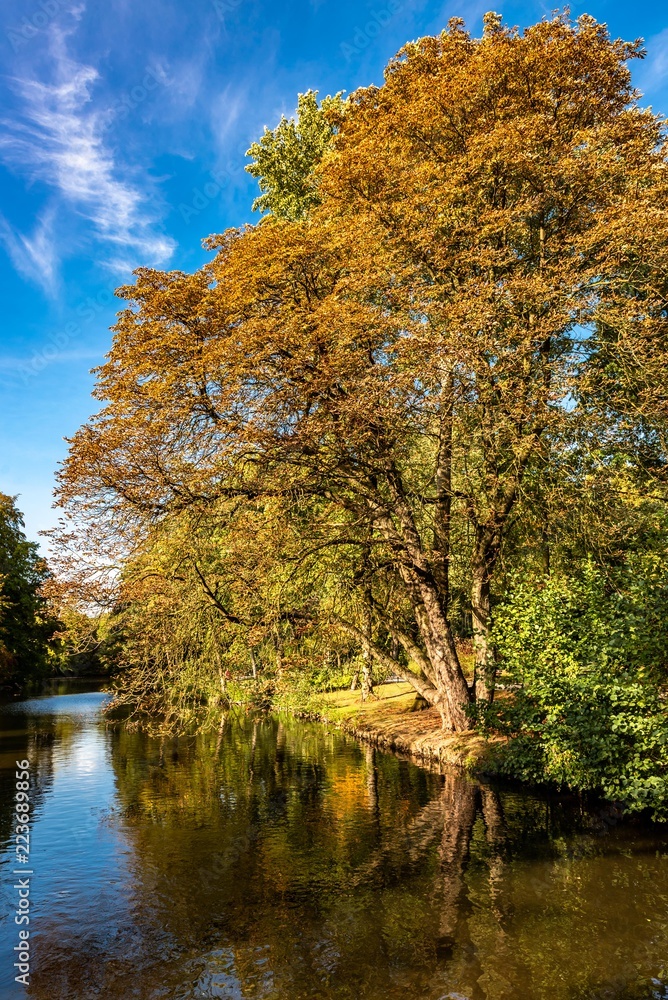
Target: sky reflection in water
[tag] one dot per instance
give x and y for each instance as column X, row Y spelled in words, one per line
column 274, row 860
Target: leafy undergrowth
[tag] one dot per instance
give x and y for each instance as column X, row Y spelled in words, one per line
column 586, row 663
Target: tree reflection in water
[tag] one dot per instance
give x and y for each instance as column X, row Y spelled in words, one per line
column 276, row 860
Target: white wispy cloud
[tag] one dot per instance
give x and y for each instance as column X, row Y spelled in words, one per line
column 227, row 110
column 35, row 256
column 651, row 74
column 57, row 137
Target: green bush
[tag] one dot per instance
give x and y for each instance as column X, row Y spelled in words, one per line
column 583, row 662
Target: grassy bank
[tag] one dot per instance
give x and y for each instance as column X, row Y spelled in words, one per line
column 389, row 720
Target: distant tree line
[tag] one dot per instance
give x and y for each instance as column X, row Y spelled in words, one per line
column 26, row 626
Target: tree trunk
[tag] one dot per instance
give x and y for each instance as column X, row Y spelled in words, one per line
column 440, row 557
column 451, row 694
column 443, row 683
column 484, row 670
column 448, row 675
column 367, row 672
column 367, row 678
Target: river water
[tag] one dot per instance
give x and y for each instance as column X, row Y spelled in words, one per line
column 277, row 860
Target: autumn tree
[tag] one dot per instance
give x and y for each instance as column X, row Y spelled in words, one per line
column 502, row 172
column 397, row 362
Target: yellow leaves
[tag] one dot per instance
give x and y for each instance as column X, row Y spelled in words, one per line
column 461, row 198
column 489, row 197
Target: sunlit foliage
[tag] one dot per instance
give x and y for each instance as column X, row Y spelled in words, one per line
column 432, row 362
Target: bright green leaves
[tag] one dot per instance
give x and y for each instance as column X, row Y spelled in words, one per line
column 582, row 660
column 285, row 158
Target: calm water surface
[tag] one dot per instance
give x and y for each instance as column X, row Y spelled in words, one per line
column 274, row 860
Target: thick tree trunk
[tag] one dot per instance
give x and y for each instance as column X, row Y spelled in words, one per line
column 440, row 557
column 442, row 683
column 422, row 684
column 451, row 695
column 448, row 676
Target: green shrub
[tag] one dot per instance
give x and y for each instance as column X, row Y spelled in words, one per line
column 583, row 662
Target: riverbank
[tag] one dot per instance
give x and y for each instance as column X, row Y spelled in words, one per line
column 389, row 721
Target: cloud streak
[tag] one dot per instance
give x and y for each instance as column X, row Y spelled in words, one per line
column 35, row 256
column 652, row 74
column 58, row 138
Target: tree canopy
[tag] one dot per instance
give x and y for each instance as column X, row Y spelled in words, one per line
column 431, row 363
column 285, row 158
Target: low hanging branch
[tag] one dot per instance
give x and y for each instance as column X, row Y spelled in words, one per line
column 422, row 686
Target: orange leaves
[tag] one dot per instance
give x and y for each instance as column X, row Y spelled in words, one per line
column 398, row 356
column 474, row 209
column 470, row 142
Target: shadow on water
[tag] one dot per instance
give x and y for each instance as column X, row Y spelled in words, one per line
column 275, row 859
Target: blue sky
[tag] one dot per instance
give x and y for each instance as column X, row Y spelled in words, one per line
column 123, row 128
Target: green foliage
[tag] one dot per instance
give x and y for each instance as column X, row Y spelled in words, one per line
column 89, row 644
column 25, row 627
column 340, row 438
column 284, row 158
column 584, row 664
